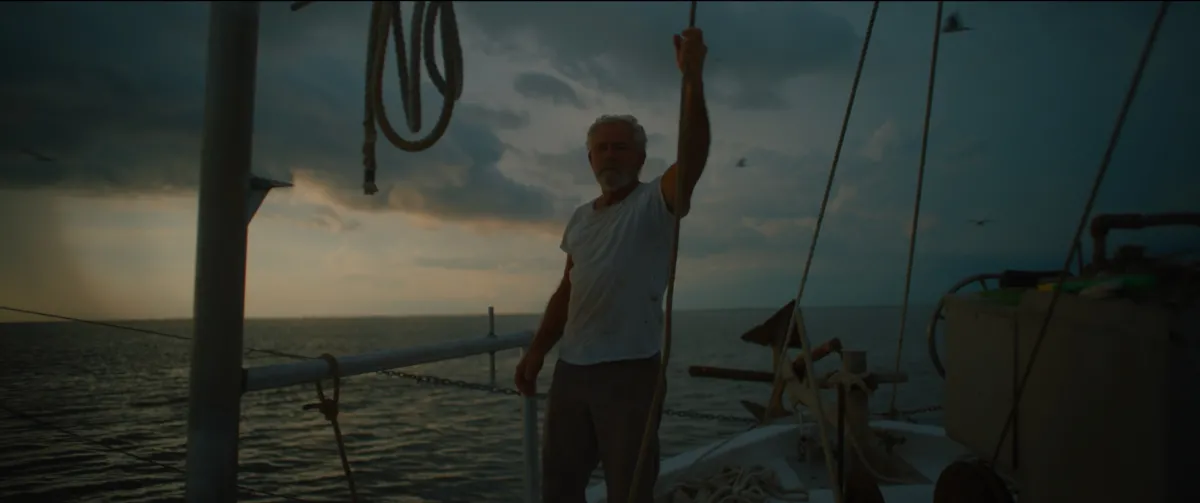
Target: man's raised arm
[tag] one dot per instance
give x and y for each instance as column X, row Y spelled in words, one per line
column 695, row 136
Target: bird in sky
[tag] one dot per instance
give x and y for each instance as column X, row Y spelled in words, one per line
column 954, row 24
column 980, row 222
column 36, row 155
column 741, row 163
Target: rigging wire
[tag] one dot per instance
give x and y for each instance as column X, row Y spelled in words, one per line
column 1101, row 171
column 328, row 407
column 916, row 213
column 249, row 350
column 796, row 323
column 96, row 444
column 418, row 378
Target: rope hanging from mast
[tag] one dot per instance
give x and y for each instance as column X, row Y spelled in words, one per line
column 916, row 215
column 386, row 19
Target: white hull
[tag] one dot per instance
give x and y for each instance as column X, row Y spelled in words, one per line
column 775, row 447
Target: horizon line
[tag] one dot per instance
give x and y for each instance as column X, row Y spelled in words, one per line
column 433, row 315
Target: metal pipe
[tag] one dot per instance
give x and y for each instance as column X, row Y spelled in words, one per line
column 841, row 437
column 533, row 483
column 290, row 374
column 1102, row 224
column 492, row 335
column 214, row 399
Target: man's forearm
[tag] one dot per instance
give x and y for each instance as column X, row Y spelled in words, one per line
column 554, row 322
column 697, row 131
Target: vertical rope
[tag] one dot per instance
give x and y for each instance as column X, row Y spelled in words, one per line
column 797, row 319
column 912, row 238
column 837, row 153
column 1083, row 220
column 330, row 407
column 653, row 417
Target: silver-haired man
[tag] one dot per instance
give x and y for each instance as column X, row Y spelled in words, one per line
column 607, row 312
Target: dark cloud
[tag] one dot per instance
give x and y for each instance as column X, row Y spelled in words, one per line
column 324, row 217
column 456, row 180
column 574, row 164
column 498, row 119
column 626, row 48
column 318, row 216
column 540, row 86
column 114, row 93
column 490, row 263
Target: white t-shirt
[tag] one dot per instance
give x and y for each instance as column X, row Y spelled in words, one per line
column 621, row 255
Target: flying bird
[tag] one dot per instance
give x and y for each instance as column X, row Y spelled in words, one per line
column 954, row 24
column 741, row 163
column 981, row 222
column 36, row 155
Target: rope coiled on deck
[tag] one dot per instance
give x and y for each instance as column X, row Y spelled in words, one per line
column 737, row 484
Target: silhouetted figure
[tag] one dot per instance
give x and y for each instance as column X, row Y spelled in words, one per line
column 981, row 222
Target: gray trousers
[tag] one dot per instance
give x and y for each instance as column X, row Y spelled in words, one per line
column 596, row 414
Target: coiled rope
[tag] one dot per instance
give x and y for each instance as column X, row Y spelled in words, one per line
column 386, row 19
column 735, row 484
column 660, row 386
column 916, row 213
column 1101, row 171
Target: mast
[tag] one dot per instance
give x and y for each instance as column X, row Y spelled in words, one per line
column 214, row 399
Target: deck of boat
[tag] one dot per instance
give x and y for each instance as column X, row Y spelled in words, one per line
column 776, row 447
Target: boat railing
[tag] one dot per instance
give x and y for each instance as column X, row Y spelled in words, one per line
column 282, row 375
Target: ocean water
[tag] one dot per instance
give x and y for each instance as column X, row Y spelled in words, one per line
column 407, row 442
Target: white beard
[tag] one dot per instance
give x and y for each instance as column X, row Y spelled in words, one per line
column 612, row 180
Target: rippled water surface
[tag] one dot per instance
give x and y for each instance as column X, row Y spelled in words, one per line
column 407, row 442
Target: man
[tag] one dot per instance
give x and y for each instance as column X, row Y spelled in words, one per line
column 607, row 310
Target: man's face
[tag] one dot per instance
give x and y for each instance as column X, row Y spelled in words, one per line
column 615, row 157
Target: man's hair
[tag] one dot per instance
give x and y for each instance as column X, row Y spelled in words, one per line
column 639, row 133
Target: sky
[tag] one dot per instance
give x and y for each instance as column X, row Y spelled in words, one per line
column 113, row 94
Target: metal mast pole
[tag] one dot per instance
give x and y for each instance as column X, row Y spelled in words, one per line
column 214, row 400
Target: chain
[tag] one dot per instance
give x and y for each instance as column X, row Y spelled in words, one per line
column 680, row 413
column 500, row 390
column 704, row 416
column 922, row 410
column 419, row 378
column 907, row 415
column 454, row 383
column 439, row 381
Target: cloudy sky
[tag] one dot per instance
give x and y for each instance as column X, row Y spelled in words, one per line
column 1025, row 102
